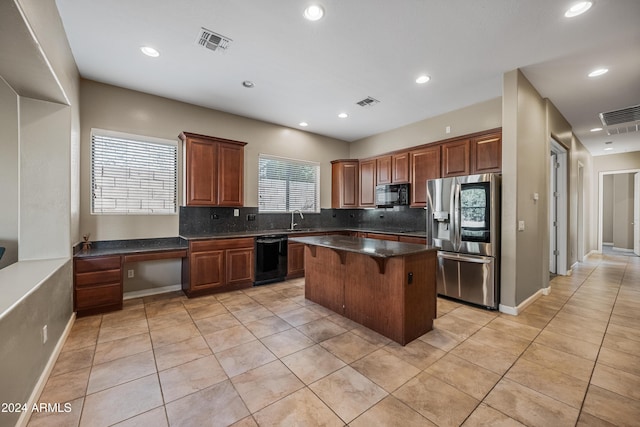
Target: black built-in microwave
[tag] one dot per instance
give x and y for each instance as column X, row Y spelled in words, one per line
column 389, row 195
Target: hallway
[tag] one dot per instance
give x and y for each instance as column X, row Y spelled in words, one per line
column 266, row 356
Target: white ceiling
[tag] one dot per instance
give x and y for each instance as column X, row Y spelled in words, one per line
column 311, row 71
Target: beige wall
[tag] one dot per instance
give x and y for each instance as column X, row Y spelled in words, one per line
column 582, row 195
column 113, row 108
column 475, row 118
column 8, row 174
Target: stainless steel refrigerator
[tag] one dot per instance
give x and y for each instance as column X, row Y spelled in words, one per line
column 463, row 220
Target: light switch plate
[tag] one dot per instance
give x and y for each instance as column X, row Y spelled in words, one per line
column 520, row 225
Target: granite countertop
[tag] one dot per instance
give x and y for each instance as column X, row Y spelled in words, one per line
column 365, row 246
column 132, row 246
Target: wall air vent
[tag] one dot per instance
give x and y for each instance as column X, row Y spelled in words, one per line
column 625, row 120
column 212, row 41
column 368, row 102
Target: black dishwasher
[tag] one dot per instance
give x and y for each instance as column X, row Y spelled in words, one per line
column 271, row 259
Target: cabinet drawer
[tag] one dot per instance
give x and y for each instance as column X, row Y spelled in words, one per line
column 98, row 277
column 218, row 244
column 96, row 296
column 95, row 264
column 381, row 236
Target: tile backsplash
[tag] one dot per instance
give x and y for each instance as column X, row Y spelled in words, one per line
column 207, row 220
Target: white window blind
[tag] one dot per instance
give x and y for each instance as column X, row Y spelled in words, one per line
column 132, row 174
column 285, row 185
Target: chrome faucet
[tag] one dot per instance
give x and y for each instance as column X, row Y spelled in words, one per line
column 293, row 224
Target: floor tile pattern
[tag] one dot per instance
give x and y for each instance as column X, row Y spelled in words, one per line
column 267, row 356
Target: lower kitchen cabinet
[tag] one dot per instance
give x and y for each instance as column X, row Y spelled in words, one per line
column 97, row 284
column 218, row 265
column 413, row 239
column 380, row 236
column 295, row 260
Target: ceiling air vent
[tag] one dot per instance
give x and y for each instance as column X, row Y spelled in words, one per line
column 625, row 120
column 367, row 102
column 212, row 41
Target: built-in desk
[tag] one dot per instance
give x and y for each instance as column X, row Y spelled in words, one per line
column 98, row 272
column 387, row 286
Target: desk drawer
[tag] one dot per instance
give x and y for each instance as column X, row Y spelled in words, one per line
column 97, row 296
column 97, row 264
column 98, row 277
column 217, row 244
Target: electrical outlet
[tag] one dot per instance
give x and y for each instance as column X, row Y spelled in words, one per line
column 447, row 129
column 251, row 217
column 130, row 273
column 520, row 225
column 236, row 212
column 45, row 335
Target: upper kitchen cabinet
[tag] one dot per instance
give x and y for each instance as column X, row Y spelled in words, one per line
column 392, row 169
column 456, row 157
column 214, row 170
column 367, row 183
column 425, row 164
column 400, row 168
column 486, row 153
column 344, row 184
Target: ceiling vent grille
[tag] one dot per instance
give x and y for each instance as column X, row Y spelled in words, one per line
column 625, row 120
column 368, row 102
column 212, row 41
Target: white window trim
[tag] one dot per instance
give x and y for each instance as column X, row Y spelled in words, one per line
column 142, row 138
column 292, row 160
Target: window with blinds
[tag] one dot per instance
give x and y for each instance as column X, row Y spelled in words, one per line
column 285, row 185
column 133, row 174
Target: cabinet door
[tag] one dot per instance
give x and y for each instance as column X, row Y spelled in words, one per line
column 456, row 158
column 201, row 172
column 486, row 154
column 383, row 170
column 368, row 183
column 400, row 168
column 207, row 269
column 425, row 165
column 344, row 184
column 295, row 259
column 230, row 175
column 239, row 265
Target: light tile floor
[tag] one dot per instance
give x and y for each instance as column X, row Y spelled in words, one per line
column 266, row 356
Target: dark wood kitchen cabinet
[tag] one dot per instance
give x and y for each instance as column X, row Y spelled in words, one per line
column 295, row 260
column 486, row 153
column 392, row 169
column 367, row 183
column 425, row 165
column 456, row 157
column 97, row 284
column 214, row 170
column 344, row 184
column 218, row 265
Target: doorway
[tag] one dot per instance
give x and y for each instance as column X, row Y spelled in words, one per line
column 619, row 212
column 558, row 201
column 581, row 209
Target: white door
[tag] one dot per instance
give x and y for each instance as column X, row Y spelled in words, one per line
column 553, row 213
column 636, row 213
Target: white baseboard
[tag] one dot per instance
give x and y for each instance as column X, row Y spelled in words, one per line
column 514, row 311
column 42, row 381
column 622, row 249
column 607, row 243
column 151, row 291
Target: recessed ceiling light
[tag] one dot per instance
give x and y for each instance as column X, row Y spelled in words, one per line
column 248, row 84
column 343, row 115
column 578, row 9
column 423, row 79
column 596, row 129
column 149, row 51
column 304, row 124
column 608, row 149
column 314, row 12
column 598, row 72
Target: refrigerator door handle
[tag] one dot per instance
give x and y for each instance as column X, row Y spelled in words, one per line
column 456, row 214
column 458, row 257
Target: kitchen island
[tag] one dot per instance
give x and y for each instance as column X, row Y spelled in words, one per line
column 387, row 286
